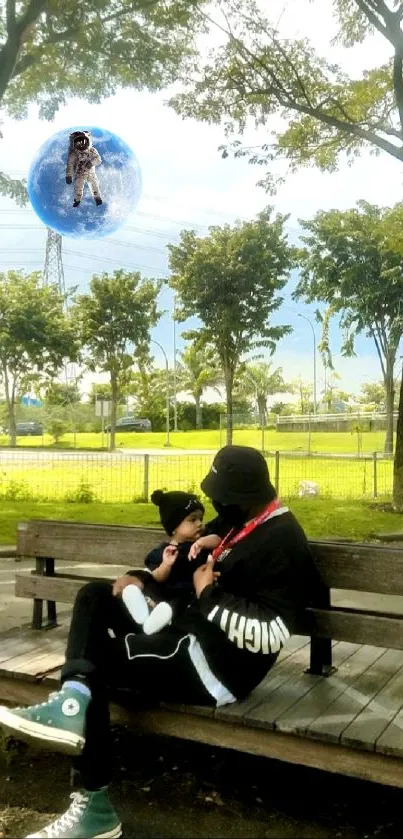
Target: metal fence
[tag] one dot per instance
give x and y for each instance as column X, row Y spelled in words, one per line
column 72, row 476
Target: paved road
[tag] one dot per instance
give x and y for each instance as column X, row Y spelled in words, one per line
column 27, row 455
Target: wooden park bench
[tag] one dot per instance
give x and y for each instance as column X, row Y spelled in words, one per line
column 333, row 701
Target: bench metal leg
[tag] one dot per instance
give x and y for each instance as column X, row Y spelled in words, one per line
column 46, row 567
column 37, row 614
column 51, row 604
column 321, row 657
column 321, row 648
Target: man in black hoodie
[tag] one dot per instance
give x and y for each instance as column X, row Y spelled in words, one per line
column 250, row 595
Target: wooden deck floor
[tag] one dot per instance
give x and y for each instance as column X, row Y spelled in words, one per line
column 358, row 708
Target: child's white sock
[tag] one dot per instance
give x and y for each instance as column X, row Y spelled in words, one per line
column 135, row 603
column 159, row 617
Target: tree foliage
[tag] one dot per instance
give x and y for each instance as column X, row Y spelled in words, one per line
column 51, row 52
column 350, row 263
column 197, row 370
column 36, row 335
column 258, row 75
column 230, row 280
column 260, row 380
column 114, row 322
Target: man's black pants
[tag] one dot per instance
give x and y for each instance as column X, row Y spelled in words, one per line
column 159, row 669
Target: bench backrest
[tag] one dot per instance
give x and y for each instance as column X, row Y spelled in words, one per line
column 351, row 566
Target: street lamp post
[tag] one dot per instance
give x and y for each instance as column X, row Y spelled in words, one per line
column 252, row 380
column 168, row 443
column 314, row 359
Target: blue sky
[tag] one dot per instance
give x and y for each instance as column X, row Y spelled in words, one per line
column 187, row 184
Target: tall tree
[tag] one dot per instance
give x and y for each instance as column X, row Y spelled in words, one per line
column 258, row 73
column 260, row 380
column 230, row 280
column 198, row 369
column 51, row 51
column 36, row 336
column 114, row 322
column 148, row 387
column 348, row 263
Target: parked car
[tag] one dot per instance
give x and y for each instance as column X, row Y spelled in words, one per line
column 131, row 424
column 29, row 429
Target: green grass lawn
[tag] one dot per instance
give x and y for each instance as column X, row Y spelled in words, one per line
column 121, row 479
column 342, row 442
column 319, row 517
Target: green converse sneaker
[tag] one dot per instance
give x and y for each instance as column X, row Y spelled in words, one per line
column 57, row 724
column 90, row 816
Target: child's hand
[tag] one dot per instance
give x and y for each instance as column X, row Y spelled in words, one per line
column 170, row 556
column 197, row 546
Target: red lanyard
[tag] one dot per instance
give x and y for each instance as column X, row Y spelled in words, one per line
column 229, row 540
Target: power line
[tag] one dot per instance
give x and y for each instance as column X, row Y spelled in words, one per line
column 39, row 262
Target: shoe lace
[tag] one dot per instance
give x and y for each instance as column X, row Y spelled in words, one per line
column 70, row 818
column 49, row 701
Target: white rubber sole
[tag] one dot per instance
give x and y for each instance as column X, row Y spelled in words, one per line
column 44, row 736
column 110, row 834
column 160, row 617
column 135, row 603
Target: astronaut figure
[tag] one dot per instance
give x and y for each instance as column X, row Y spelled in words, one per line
column 81, row 163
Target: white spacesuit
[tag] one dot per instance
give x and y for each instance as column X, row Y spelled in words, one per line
column 81, row 163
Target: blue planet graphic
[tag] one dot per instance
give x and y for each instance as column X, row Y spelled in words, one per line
column 119, row 178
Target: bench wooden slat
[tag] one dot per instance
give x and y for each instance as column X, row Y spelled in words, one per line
column 320, row 701
column 291, row 691
column 76, row 542
column 360, row 627
column 372, row 719
column 354, row 566
column 360, row 567
column 61, row 588
column 47, row 588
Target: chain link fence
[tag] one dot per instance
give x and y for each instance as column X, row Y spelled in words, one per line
column 119, row 478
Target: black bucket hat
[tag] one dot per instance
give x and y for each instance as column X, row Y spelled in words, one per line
column 239, row 475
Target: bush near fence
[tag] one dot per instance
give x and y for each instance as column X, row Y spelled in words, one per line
column 121, row 478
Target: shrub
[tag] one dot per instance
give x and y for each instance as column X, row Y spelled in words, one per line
column 84, row 494
column 17, row 491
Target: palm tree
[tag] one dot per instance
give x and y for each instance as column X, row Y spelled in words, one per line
column 198, row 370
column 261, row 381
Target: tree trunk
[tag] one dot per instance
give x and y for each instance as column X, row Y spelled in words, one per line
column 398, row 464
column 12, row 431
column 389, row 402
column 229, row 383
column 199, row 413
column 114, row 403
column 262, row 405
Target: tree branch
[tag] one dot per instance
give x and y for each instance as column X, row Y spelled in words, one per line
column 398, row 84
column 288, row 101
column 10, row 17
column 67, row 35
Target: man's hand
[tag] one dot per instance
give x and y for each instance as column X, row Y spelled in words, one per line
column 122, row 582
column 169, row 556
column 205, row 576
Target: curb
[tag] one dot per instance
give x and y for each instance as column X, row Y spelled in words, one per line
column 8, row 551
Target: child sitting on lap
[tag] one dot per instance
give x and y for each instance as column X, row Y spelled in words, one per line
column 153, row 597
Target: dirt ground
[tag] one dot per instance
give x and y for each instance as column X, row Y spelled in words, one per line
column 168, row 789
column 171, row 789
